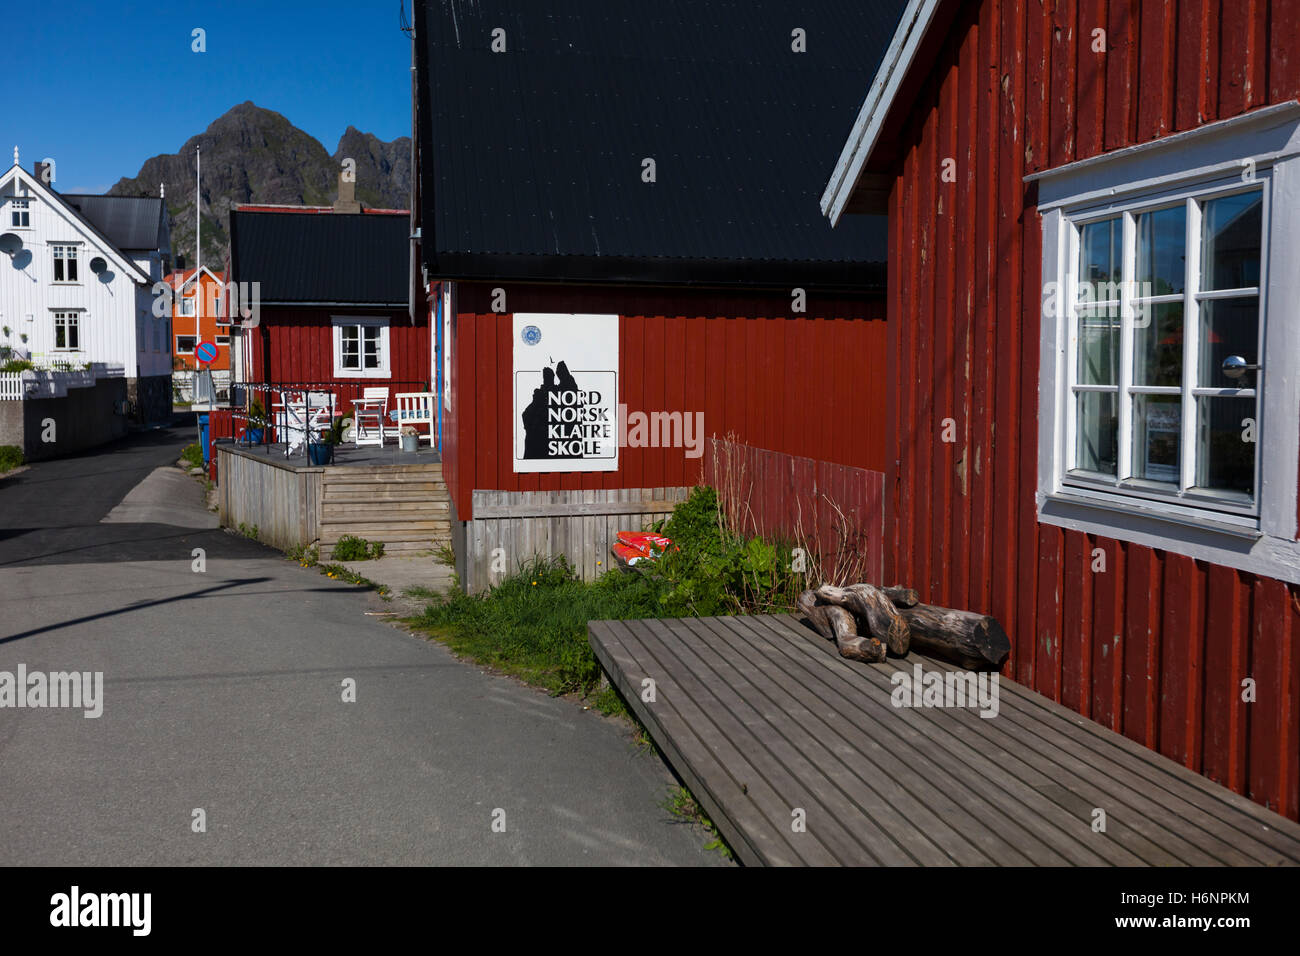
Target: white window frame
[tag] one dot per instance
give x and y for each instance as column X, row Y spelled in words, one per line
column 60, row 250
column 190, row 350
column 339, row 322
column 69, row 318
column 186, row 301
column 1257, row 150
column 20, row 205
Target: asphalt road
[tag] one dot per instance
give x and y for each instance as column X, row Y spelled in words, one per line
column 223, row 693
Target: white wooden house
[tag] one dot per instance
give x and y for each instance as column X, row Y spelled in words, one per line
column 76, row 283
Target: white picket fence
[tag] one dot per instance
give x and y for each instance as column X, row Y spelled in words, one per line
column 16, row 386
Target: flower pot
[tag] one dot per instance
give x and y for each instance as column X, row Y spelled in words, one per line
column 320, row 454
column 254, row 435
column 410, row 442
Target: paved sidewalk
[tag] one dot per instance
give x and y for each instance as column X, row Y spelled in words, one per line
column 400, row 574
column 277, row 702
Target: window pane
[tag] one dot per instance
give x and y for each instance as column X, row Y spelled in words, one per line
column 58, row 266
column 74, row 334
column 1231, row 231
column 1158, row 344
column 1156, row 428
column 1226, row 433
column 1098, row 346
column 1097, row 432
column 1161, row 251
column 60, row 338
column 1228, row 327
column 1100, row 248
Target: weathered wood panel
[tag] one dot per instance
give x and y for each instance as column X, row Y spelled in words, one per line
column 1150, row 644
column 282, row 502
column 580, row 525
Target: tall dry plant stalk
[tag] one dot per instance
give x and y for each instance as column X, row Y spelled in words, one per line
column 847, row 562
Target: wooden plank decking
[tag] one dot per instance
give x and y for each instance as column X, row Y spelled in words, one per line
column 761, row 717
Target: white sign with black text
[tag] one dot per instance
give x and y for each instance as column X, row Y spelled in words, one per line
column 565, row 392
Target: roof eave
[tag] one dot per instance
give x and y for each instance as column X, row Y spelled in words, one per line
column 898, row 61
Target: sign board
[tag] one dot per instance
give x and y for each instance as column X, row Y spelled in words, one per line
column 565, row 392
column 206, row 352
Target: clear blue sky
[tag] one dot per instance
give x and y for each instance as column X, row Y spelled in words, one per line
column 102, row 86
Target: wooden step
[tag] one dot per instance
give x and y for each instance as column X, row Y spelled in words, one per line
column 388, row 476
column 378, row 531
column 346, row 510
column 342, row 492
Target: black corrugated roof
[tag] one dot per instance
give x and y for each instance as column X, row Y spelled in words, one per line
column 359, row 259
column 531, row 159
column 132, row 223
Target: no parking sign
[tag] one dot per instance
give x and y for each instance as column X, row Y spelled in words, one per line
column 206, row 352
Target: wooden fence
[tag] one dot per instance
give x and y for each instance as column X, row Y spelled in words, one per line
column 832, row 511
column 510, row 528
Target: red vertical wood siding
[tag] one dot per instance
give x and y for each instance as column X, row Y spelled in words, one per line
column 1155, row 646
column 811, row 385
column 296, row 345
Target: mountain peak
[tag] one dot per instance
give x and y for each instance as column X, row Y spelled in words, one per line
column 252, row 154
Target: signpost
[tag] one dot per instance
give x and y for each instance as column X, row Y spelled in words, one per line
column 206, row 352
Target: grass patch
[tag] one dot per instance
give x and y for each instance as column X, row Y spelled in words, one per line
column 338, row 572
column 307, row 557
column 533, row 625
column 249, row 531
column 682, row 804
column 351, row 548
column 11, row 456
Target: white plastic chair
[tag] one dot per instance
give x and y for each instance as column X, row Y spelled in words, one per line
column 369, row 413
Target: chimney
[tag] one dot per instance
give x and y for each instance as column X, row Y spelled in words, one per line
column 42, row 171
column 347, row 201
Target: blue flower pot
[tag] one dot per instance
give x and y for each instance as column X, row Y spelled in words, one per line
column 254, row 436
column 320, row 454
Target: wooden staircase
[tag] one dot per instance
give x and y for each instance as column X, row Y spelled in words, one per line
column 404, row 506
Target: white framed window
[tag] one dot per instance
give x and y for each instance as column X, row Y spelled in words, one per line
column 187, row 306
column 20, row 213
column 1169, row 408
column 65, row 262
column 185, row 344
column 1160, row 292
column 360, row 347
column 223, row 340
column 67, row 331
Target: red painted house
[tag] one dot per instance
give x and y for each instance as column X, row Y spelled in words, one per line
column 1093, row 354
column 657, row 255
column 330, row 290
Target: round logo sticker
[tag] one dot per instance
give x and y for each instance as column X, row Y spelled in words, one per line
column 531, row 335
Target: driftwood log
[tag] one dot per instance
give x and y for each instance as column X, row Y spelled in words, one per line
column 894, row 616
column 837, row 624
column 872, row 605
column 970, row 640
column 901, row 596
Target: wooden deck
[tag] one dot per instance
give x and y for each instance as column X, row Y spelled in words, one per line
column 761, row 717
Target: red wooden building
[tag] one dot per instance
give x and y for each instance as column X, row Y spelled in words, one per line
column 331, row 289
column 1093, row 206
column 671, row 260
